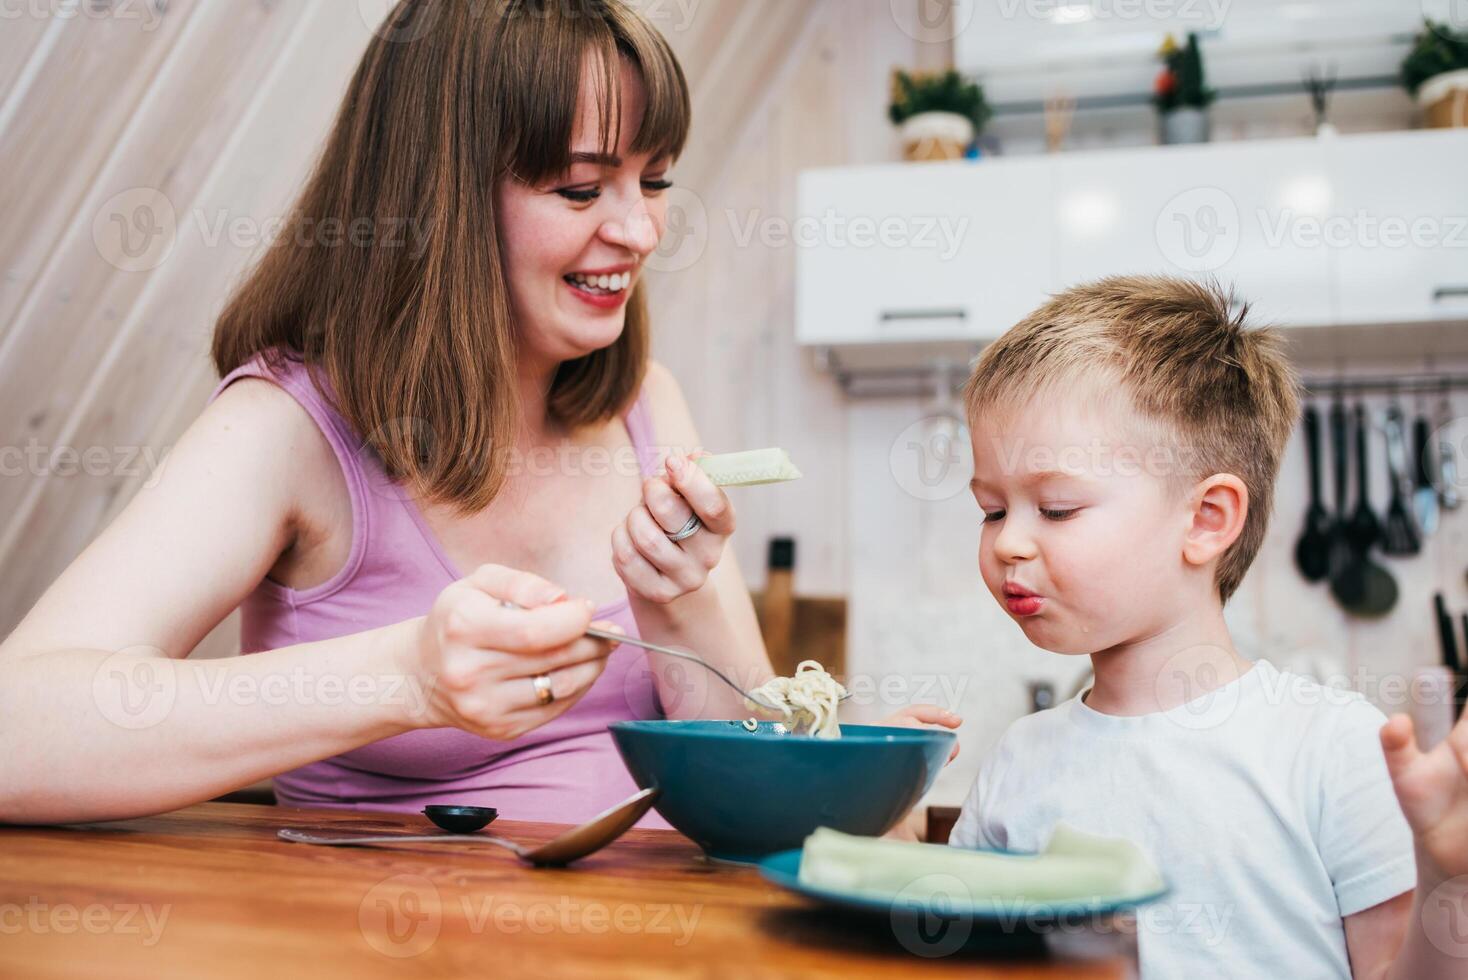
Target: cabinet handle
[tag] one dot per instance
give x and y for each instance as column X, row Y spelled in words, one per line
column 1449, row 292
column 889, row 316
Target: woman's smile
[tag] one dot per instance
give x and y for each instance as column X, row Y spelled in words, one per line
column 604, row 289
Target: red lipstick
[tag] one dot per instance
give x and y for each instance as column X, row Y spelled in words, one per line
column 1020, row 601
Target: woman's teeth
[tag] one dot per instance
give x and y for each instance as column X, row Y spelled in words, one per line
column 601, row 284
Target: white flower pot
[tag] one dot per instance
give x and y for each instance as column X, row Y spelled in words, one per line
column 936, row 136
column 1187, row 125
column 1445, row 97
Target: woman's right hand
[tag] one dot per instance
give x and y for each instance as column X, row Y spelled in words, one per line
column 477, row 658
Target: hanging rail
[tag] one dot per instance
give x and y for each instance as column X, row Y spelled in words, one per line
column 1388, row 384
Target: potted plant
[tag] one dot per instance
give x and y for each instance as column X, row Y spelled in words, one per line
column 1436, row 72
column 1182, row 96
column 937, row 114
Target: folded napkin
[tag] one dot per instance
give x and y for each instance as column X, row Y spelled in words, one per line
column 1074, row 867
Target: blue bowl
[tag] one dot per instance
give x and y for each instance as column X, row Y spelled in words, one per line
column 741, row 795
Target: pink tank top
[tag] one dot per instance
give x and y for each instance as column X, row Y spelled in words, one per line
column 564, row 772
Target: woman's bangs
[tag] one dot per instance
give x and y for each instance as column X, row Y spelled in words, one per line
column 664, row 129
column 555, row 56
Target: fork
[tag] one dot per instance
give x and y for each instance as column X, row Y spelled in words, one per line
column 749, row 696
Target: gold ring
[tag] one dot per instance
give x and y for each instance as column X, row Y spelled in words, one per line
column 543, row 692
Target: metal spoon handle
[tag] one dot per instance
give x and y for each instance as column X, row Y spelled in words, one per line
column 302, row 837
column 669, row 651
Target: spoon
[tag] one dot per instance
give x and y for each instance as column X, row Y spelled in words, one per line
column 1364, row 529
column 570, row 846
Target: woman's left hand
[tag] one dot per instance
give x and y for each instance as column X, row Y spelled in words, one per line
column 925, row 716
column 653, row 566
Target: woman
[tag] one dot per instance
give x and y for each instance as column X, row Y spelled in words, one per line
column 416, row 458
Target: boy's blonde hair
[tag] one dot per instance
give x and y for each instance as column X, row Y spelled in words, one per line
column 1223, row 392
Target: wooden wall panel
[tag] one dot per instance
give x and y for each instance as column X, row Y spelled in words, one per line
column 22, row 39
column 158, row 347
column 697, row 39
column 79, row 304
column 109, row 342
column 750, row 54
column 70, row 121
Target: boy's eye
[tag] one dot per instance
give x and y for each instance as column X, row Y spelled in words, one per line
column 993, row 515
column 1057, row 515
column 657, row 186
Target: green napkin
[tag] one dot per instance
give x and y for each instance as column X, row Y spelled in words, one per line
column 1074, row 867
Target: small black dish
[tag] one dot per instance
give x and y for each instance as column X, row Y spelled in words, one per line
column 461, row 819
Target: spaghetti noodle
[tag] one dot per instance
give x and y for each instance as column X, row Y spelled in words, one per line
column 812, row 697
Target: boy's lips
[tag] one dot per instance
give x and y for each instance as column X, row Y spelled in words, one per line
column 1020, row 601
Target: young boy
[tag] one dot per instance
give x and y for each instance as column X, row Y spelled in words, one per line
column 1126, row 440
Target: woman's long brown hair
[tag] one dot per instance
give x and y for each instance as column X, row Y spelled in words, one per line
column 389, row 276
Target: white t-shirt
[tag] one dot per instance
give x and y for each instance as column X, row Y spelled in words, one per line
column 1265, row 804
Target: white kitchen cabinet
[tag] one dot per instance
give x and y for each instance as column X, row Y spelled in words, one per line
column 1344, row 231
column 922, row 251
column 1401, row 231
column 1227, row 211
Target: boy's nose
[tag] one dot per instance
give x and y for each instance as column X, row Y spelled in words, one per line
column 1014, row 543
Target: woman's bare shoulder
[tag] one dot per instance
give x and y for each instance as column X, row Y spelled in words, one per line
column 263, row 422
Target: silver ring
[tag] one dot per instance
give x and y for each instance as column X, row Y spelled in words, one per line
column 688, row 530
column 543, row 692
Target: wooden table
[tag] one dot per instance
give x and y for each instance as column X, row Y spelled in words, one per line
column 209, row 891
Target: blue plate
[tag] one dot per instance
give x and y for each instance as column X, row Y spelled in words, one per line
column 931, row 926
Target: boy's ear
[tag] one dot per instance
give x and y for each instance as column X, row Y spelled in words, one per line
column 1219, row 505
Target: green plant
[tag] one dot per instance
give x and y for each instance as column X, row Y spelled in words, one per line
column 1181, row 84
column 1438, row 49
column 946, row 91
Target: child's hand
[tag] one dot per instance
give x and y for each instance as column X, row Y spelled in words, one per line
column 1433, row 790
column 925, row 716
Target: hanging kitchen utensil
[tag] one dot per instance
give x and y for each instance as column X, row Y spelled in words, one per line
column 1364, row 528
column 1447, row 458
column 1460, row 674
column 1399, row 534
column 1451, row 665
column 1312, row 551
column 1445, row 635
column 1359, row 584
column 1446, row 640
column 1424, row 497
column 1340, row 550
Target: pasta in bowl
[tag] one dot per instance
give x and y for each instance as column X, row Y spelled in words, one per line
column 741, row 794
column 811, row 696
